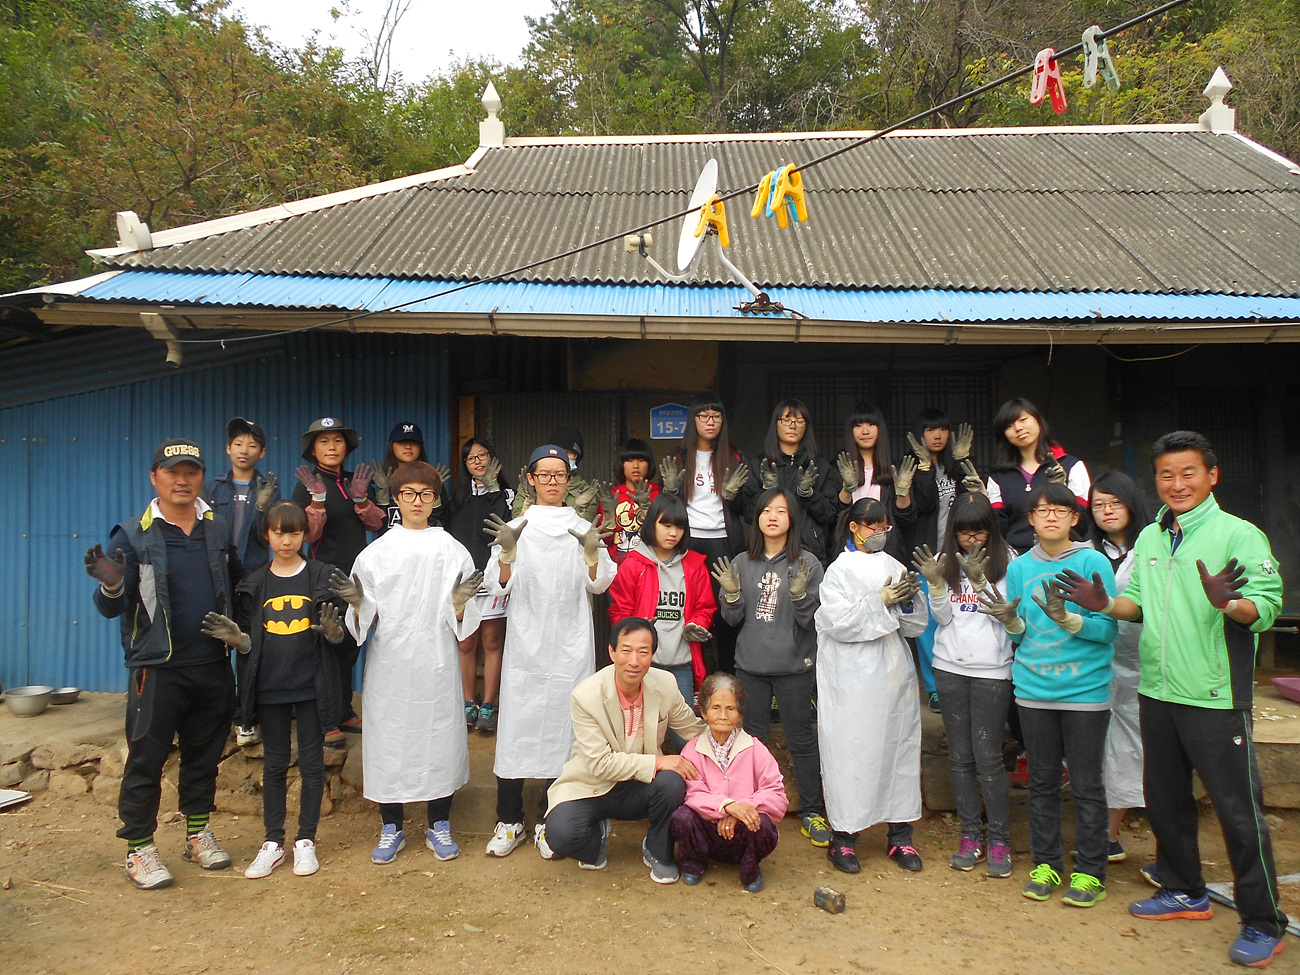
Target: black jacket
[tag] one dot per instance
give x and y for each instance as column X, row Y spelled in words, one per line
column 466, row 522
column 819, row 511
column 344, row 535
column 1013, row 506
column 252, row 547
column 925, row 499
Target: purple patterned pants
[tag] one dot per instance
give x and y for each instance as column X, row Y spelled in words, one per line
column 698, row 842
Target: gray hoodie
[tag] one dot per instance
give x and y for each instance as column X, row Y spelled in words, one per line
column 673, row 649
column 776, row 633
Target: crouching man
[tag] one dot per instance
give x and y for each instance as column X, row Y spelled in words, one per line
column 617, row 769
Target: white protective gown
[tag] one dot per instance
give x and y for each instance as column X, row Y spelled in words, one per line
column 550, row 640
column 414, row 747
column 868, row 712
column 1122, row 765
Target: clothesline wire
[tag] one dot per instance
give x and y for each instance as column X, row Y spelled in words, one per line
column 743, row 191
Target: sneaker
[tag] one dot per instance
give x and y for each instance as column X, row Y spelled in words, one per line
column 304, row 858
column 691, row 879
column 969, row 852
column 817, row 830
column 999, row 863
column 660, row 873
column 934, row 703
column 754, row 886
column 352, row 725
column 438, row 839
column 1084, row 891
column 1169, row 905
column 776, row 712
column 203, row 850
column 249, row 735
column 1020, row 776
column 600, row 861
column 1253, row 948
column 270, row 856
column 843, row 858
column 392, row 841
column 1149, row 875
column 1042, row 881
column 539, row 840
column 334, row 737
column 505, row 838
column 487, row 717
column 1116, row 853
column 145, row 870
column 471, row 714
column 906, row 857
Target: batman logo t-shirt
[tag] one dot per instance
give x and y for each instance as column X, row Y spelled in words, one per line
column 287, row 670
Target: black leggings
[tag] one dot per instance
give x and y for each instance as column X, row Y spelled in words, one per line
column 439, row 811
column 277, row 722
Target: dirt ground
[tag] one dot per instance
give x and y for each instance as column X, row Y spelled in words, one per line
column 67, row 908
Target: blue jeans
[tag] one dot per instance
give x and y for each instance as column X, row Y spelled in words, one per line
column 685, row 680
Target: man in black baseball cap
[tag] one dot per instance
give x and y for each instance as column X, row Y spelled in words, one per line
column 167, row 570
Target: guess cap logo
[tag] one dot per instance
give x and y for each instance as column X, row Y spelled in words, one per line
column 182, row 450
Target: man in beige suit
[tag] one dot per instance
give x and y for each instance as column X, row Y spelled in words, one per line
column 617, row 770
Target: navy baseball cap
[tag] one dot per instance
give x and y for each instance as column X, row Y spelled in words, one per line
column 547, row 450
column 238, row 425
column 406, row 431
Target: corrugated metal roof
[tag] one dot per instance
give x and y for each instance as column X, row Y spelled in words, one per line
column 1097, row 209
column 669, row 301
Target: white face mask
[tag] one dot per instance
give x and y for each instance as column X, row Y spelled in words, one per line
column 872, row 543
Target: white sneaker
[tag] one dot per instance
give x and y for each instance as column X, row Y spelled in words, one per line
column 505, row 839
column 247, row 735
column 145, row 870
column 270, row 856
column 203, row 850
column 539, row 841
column 304, row 858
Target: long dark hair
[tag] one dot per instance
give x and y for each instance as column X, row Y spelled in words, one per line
column 464, row 479
column 932, row 418
column 756, row 536
column 634, row 449
column 1007, row 454
column 772, row 445
column 973, row 513
column 1124, row 488
column 724, row 454
column 864, row 511
column 671, row 510
column 881, row 457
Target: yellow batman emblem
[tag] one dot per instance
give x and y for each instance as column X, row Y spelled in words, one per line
column 287, row 615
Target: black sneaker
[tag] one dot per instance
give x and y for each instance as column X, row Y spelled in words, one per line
column 906, row 857
column 934, row 702
column 843, row 858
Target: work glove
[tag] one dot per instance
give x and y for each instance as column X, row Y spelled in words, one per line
column 903, row 475
column 525, row 488
column 670, row 473
column 359, row 486
column 504, row 536
column 1054, row 472
column 383, row 497
column 492, row 476
column 1091, row 596
column 605, row 498
column 971, row 479
column 767, row 473
column 695, row 633
column 331, row 623
column 444, row 478
column 736, row 479
column 464, row 590
column 907, row 586
column 920, row 450
column 993, row 604
column 798, row 578
column 848, row 471
column 728, row 578
column 267, row 492
column 108, row 571
column 928, row 565
column 348, row 590
column 640, row 497
column 807, row 479
column 1053, row 604
column 223, row 628
column 974, row 563
column 1224, row 586
column 592, row 539
column 312, row 481
column 962, row 443
column 585, row 492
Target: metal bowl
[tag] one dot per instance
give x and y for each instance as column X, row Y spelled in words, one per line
column 28, row 701
column 65, row 695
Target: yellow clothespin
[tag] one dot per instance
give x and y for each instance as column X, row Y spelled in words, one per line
column 787, row 196
column 764, row 195
column 714, row 214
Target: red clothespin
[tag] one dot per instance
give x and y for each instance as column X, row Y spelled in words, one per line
column 1047, row 81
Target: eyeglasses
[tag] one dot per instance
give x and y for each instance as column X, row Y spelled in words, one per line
column 709, row 417
column 1107, row 505
column 879, row 531
column 793, row 420
column 477, row 458
column 410, row 496
column 550, row 478
column 1052, row 511
column 963, row 533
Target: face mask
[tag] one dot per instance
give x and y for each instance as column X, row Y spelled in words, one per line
column 872, row 543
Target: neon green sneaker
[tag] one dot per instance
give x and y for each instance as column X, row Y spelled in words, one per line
column 1042, row 881
column 817, row 829
column 1084, row 890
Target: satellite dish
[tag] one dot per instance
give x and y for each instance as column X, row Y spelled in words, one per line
column 688, row 245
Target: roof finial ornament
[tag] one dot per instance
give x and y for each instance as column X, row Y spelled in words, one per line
column 1218, row 117
column 491, row 131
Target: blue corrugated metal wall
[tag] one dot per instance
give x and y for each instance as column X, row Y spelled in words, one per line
column 78, row 464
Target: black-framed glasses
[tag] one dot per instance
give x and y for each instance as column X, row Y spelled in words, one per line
column 972, row 534
column 410, row 495
column 1052, row 511
column 550, row 478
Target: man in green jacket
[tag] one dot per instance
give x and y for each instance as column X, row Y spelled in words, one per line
column 1204, row 584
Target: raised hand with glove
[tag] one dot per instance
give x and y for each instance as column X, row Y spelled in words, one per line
column 347, row 589
column 807, row 479
column 597, row 535
column 767, row 473
column 1224, row 587
column 225, row 629
column 266, row 492
column 971, row 479
column 359, row 486
column 492, row 476
column 848, row 467
column 928, row 565
column 670, row 473
column 962, row 443
column 974, row 564
column 108, row 571
column 383, row 497
column 1054, row 472
column 1091, row 596
column 904, row 474
column 992, row 603
column 331, row 623
column 902, row 591
column 798, row 576
column 728, row 579
column 309, row 478
column 920, row 451
column 1053, row 604
column 502, row 535
column 736, row 479
column 463, row 591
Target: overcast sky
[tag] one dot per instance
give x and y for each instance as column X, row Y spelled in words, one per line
column 432, row 35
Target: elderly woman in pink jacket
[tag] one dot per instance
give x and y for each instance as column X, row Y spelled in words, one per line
column 732, row 809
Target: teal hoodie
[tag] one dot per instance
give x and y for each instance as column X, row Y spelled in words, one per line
column 1051, row 665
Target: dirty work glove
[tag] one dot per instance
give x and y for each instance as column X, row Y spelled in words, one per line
column 728, row 579
column 767, row 473
column 799, row 579
column 504, row 536
column 993, row 604
column 848, row 471
column 907, row 586
column 734, row 481
column 640, row 497
column 359, row 486
column 903, row 474
column 928, row 565
column 585, row 492
column 444, row 478
column 592, row 539
column 1222, row 588
column 1053, row 604
column 312, row 481
column 464, row 590
column 807, row 479
column 383, row 497
column 670, row 473
column 971, row 480
column 107, row 571
column 963, row 442
column 920, row 450
column 1091, row 596
column 349, row 590
column 1054, row 472
column 605, row 498
column 223, row 628
column 331, row 624
column 526, row 489
column 974, row 563
column 264, row 496
column 492, row 476
column 695, row 633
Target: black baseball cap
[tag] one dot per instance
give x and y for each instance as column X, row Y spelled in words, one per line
column 406, row 431
column 178, row 450
column 238, row 425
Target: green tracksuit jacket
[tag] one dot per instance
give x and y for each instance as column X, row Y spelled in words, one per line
column 1190, row 652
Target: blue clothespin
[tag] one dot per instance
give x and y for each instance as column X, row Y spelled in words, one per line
column 1097, row 58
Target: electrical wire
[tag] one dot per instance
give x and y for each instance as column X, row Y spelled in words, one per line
column 743, row 191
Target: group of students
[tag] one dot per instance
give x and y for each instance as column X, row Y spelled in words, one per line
column 801, row 575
